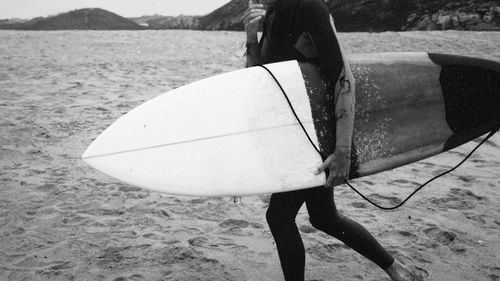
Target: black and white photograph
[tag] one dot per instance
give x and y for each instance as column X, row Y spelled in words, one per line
column 249, row 140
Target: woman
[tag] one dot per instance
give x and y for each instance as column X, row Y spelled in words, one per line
column 303, row 30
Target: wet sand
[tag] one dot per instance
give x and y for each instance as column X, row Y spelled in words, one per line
column 62, row 220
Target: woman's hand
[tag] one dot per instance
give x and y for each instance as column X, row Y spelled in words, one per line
column 251, row 19
column 339, row 164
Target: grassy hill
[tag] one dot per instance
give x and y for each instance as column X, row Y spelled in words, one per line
column 82, row 19
column 227, row 17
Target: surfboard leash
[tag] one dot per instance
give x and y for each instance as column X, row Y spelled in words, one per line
column 492, row 132
column 292, row 108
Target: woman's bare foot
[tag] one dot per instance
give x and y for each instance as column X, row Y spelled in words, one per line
column 399, row 272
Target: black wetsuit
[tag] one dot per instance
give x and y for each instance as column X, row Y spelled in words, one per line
column 311, row 17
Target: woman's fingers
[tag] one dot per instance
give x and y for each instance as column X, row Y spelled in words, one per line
column 251, row 18
column 335, row 180
column 255, row 6
column 254, row 20
column 329, row 181
column 337, row 173
column 251, row 8
column 329, row 163
column 252, row 13
column 321, row 168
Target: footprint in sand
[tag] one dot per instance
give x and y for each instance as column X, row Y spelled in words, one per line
column 468, row 181
column 235, row 227
column 233, row 223
column 203, row 242
column 408, row 235
column 493, row 272
column 152, row 236
column 359, row 205
column 305, row 228
column 111, row 255
column 404, row 183
column 421, row 273
column 128, row 188
column 134, row 277
column 62, row 265
column 426, row 164
column 18, row 231
column 182, row 255
column 458, row 199
column 460, row 154
column 439, row 235
column 367, row 182
column 333, row 252
column 385, row 200
column 358, row 277
column 483, row 220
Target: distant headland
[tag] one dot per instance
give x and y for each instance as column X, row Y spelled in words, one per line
column 82, row 19
column 350, row 16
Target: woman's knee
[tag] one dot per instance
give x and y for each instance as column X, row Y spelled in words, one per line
column 325, row 223
column 273, row 217
column 318, row 223
column 276, row 218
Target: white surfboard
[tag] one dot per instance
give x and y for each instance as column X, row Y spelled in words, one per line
column 226, row 135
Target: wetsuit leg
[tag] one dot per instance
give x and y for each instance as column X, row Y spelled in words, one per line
column 283, row 209
column 325, row 217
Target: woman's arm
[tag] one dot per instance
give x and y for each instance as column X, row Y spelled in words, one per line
column 318, row 23
column 253, row 54
column 344, row 112
column 251, row 20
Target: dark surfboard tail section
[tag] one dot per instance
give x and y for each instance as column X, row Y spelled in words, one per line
column 471, row 90
column 409, row 106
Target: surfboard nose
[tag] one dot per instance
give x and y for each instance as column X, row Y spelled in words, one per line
column 92, row 150
column 88, row 153
column 471, row 90
column 95, row 149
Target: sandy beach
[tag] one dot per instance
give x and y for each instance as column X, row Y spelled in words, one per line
column 62, row 220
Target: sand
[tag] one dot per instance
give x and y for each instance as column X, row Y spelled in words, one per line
column 62, row 220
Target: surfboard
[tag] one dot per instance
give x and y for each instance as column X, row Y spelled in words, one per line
column 235, row 133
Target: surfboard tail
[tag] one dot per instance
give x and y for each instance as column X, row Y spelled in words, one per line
column 471, row 89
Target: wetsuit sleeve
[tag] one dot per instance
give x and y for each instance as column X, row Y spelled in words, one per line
column 315, row 17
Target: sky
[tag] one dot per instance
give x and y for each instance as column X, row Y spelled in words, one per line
column 27, row 9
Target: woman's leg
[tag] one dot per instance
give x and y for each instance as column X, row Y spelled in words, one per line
column 280, row 216
column 324, row 216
